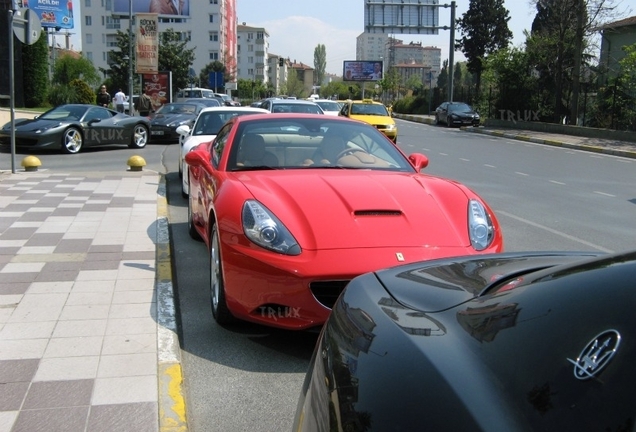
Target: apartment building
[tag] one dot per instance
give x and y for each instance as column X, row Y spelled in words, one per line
column 209, row 26
column 252, row 53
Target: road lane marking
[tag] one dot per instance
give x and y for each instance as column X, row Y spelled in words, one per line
column 553, row 231
column 605, row 194
column 557, row 182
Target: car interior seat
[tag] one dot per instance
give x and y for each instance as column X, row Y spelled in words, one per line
column 253, row 152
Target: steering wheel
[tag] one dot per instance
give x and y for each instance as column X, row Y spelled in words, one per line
column 347, row 151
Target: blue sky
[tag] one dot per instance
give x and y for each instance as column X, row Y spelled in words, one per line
column 296, row 27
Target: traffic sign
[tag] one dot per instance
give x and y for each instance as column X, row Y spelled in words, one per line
column 27, row 26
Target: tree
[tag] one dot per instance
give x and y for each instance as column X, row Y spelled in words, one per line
column 68, row 68
column 320, row 64
column 118, row 63
column 175, row 56
column 36, row 72
column 294, row 85
column 215, row 66
column 485, row 30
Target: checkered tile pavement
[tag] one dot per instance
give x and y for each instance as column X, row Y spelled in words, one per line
column 78, row 305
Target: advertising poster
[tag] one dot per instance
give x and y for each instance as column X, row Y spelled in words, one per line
column 52, row 13
column 159, row 87
column 161, row 7
column 147, row 43
column 362, row 70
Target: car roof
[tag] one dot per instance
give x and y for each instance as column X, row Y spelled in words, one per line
column 292, row 116
column 294, row 101
column 235, row 108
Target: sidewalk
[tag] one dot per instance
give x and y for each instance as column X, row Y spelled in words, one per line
column 605, row 146
column 87, row 319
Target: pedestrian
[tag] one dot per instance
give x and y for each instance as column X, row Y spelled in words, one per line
column 120, row 99
column 145, row 104
column 103, row 97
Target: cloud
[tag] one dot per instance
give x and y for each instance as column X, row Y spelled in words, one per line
column 296, row 37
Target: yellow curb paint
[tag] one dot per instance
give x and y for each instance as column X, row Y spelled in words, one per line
column 172, row 412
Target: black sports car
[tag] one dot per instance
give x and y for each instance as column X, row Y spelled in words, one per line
column 456, row 114
column 75, row 126
column 507, row 342
column 165, row 121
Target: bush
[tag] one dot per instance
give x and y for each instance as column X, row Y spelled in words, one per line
column 83, row 93
column 411, row 105
column 62, row 94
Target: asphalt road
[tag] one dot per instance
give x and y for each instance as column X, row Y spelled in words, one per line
column 247, row 377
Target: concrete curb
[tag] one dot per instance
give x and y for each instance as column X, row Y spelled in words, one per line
column 555, row 143
column 172, row 408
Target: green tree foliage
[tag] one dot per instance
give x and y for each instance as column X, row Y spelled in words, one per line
column 484, row 29
column 68, row 68
column 335, row 89
column 294, row 85
column 442, row 78
column 508, row 75
column 320, row 63
column 36, row 72
column 175, row 56
column 215, row 66
column 250, row 90
column 61, row 94
column 83, row 92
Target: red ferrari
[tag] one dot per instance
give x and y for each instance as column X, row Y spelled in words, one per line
column 293, row 206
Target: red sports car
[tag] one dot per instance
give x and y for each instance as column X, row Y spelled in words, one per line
column 293, row 206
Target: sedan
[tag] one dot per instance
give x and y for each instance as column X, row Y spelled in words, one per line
column 206, row 126
column 279, row 105
column 165, row 121
column 527, row 341
column 456, row 114
column 70, row 128
column 291, row 207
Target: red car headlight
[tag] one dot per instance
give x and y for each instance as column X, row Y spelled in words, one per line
column 263, row 228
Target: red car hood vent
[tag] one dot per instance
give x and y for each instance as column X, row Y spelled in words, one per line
column 378, row 213
column 357, row 209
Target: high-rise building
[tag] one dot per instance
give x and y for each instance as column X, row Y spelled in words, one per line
column 208, row 26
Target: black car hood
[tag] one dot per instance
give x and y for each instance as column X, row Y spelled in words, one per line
column 170, row 118
column 441, row 284
column 29, row 125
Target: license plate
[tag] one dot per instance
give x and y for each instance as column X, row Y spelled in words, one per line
column 156, row 133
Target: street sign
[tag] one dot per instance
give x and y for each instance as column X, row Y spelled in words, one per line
column 27, row 26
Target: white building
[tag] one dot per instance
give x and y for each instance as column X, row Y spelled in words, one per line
column 208, row 26
column 252, row 53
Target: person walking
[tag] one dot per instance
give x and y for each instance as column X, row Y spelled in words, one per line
column 145, row 104
column 120, row 99
column 103, row 97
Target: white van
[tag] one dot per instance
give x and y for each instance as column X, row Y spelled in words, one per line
column 193, row 93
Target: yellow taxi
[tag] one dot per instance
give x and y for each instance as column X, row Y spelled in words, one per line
column 372, row 112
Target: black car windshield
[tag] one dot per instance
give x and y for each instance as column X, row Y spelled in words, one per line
column 459, row 107
column 64, row 112
column 210, row 122
column 308, row 143
column 177, row 108
column 368, row 109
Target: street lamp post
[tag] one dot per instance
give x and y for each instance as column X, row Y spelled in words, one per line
column 131, row 105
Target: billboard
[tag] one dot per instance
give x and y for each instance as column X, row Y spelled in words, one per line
column 362, row 70
column 159, row 87
column 147, row 43
column 52, row 13
column 161, row 7
column 401, row 16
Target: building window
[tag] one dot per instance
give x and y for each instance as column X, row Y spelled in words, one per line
column 259, row 35
column 250, row 48
column 214, row 1
column 88, row 21
column 214, row 56
column 87, row 3
column 214, row 36
column 89, row 38
column 250, row 59
column 213, row 18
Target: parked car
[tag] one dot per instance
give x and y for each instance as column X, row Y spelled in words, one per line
column 73, row 127
column 208, row 102
column 456, row 114
column 165, row 121
column 280, row 105
column 330, row 107
column 527, row 341
column 206, row 126
column 293, row 206
column 372, row 112
column 193, row 92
